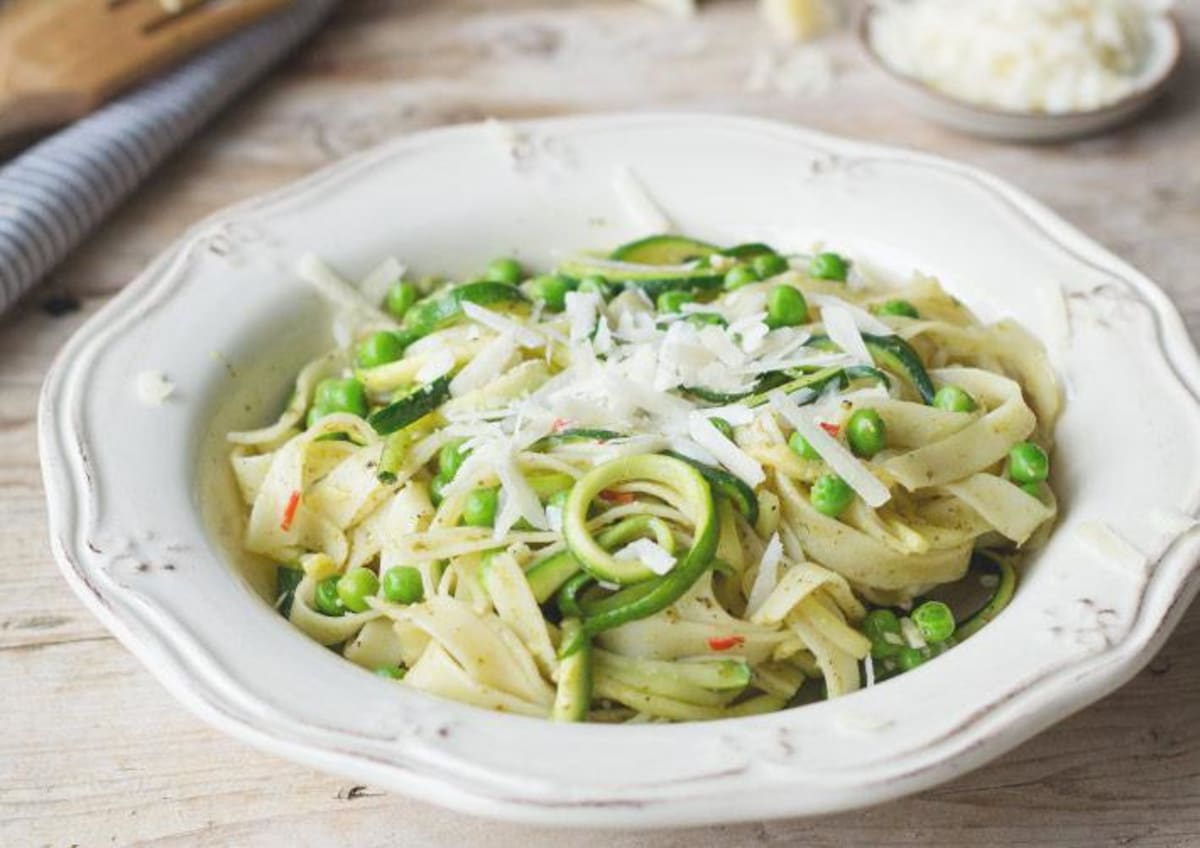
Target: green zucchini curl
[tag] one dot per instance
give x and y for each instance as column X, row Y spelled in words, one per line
column 644, row 593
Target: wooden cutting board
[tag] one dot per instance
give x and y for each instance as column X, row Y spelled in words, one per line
column 60, row 59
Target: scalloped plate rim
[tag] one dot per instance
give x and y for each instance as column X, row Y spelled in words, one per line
column 969, row 747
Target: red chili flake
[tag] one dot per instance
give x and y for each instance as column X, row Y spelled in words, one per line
column 724, row 643
column 831, row 429
column 559, row 425
column 289, row 511
column 618, row 497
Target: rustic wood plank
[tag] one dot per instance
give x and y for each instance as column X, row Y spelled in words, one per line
column 96, row 753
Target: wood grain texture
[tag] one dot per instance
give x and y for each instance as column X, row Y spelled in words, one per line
column 60, row 60
column 96, row 753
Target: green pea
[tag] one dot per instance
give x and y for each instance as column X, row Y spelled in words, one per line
column 1028, row 463
column 705, row 319
column 436, row 486
column 786, row 307
column 551, row 289
column 831, row 495
column 327, row 599
column 899, row 307
column 341, row 395
column 1034, row 490
column 878, row 625
column 829, row 266
column 935, row 621
column 596, row 285
column 866, row 432
column 400, row 297
column 392, row 672
column 953, row 399
column 379, row 349
column 801, row 447
column 673, row 301
column 356, row 586
column 769, row 265
column 724, row 426
column 479, row 510
column 402, row 584
column 909, row 658
column 504, row 270
column 451, row 458
column 738, row 276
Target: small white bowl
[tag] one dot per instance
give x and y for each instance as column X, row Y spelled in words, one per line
column 1164, row 59
column 144, row 518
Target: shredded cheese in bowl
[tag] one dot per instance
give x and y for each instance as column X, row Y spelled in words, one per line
column 1039, row 56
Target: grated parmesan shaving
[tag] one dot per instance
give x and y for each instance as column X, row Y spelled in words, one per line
column 602, row 342
column 649, row 553
column 689, row 448
column 736, row 414
column 517, row 499
column 437, row 365
column 912, row 634
column 736, row 460
column 337, row 291
column 768, row 576
column 843, row 331
column 863, row 320
column 493, row 360
column 583, row 311
column 1111, row 547
column 443, row 338
column 375, row 285
column 495, row 321
column 639, row 205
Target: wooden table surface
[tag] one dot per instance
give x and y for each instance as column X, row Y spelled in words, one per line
column 96, row 753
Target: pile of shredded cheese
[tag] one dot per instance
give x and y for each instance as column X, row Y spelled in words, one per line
column 1043, row 56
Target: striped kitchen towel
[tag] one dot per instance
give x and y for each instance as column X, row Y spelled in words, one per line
column 53, row 195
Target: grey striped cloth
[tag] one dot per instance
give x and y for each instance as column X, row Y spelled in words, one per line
column 54, row 194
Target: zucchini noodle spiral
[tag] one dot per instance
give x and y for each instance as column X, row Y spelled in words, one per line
column 676, row 482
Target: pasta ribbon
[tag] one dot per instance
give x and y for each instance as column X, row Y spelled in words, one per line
column 679, row 482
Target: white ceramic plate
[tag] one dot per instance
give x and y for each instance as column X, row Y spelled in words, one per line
column 136, row 491
column 1164, row 57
